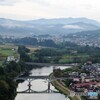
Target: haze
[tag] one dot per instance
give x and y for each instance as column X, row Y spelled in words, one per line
column 35, row 9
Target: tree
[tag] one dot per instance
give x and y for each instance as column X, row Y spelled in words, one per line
column 2, row 71
column 4, row 90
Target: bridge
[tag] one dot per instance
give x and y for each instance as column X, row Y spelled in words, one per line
column 47, row 78
column 48, row 64
column 37, row 92
column 31, row 78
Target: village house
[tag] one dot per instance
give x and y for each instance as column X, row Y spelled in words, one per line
column 10, row 58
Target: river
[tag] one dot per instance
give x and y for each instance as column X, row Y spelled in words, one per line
column 40, row 85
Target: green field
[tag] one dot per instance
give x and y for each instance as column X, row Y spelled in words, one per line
column 32, row 49
column 7, row 50
column 73, row 58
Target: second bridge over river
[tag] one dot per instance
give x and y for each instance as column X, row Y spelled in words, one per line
column 49, row 79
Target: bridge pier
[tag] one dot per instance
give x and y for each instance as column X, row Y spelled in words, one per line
column 29, row 87
column 48, row 87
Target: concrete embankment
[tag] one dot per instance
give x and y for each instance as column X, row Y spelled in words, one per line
column 64, row 90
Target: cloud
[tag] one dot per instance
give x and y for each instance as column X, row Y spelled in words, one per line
column 30, row 9
column 12, row 2
column 41, row 2
column 72, row 27
column 8, row 2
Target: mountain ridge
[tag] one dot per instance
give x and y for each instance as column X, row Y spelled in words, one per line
column 55, row 26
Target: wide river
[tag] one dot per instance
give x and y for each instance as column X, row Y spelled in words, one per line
column 40, row 85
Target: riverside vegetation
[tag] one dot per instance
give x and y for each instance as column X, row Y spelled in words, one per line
column 8, row 72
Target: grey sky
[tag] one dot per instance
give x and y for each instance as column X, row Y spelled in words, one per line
column 33, row 9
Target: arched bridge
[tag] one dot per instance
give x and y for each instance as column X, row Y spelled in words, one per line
column 31, row 78
column 47, row 78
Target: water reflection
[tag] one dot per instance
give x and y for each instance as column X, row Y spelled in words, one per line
column 40, row 97
column 39, row 85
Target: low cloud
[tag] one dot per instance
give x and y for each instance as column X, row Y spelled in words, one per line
column 72, row 27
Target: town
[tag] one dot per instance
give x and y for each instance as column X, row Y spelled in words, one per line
column 84, row 81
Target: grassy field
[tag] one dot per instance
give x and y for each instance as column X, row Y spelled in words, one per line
column 32, row 49
column 7, row 50
column 72, row 58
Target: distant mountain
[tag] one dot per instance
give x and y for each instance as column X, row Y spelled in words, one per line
column 86, row 34
column 59, row 26
column 91, row 38
column 64, row 21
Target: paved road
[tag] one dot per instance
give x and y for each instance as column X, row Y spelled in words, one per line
column 49, row 64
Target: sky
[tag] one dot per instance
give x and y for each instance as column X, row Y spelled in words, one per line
column 35, row 9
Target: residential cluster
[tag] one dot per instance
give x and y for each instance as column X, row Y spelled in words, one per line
column 87, row 81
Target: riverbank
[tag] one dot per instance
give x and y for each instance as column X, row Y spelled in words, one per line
column 64, row 90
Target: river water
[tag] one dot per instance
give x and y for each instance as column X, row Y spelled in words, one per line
column 40, row 85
